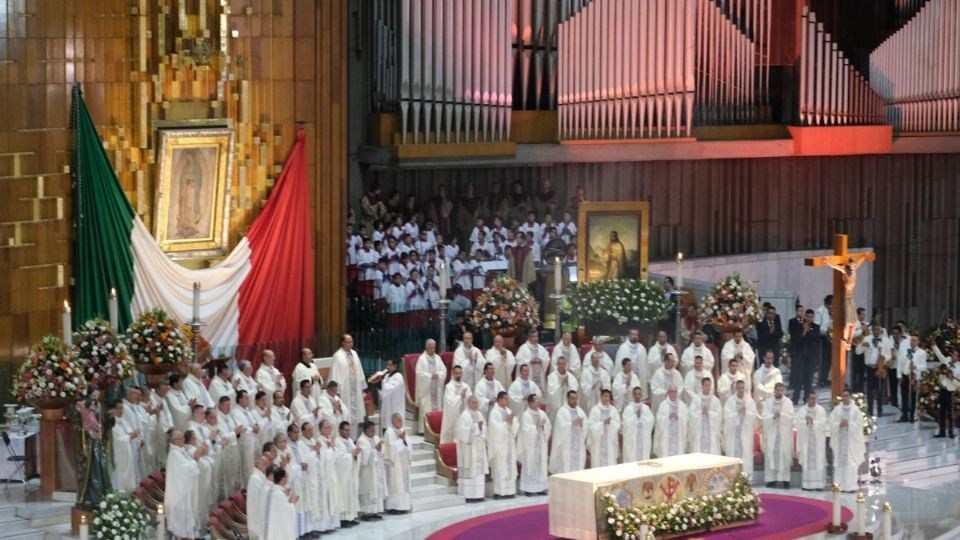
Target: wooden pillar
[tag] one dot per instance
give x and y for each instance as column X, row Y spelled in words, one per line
column 838, row 353
column 330, row 186
column 48, row 451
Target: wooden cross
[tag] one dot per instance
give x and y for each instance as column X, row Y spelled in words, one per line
column 844, row 265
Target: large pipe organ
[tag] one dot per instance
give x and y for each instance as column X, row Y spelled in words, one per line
column 917, row 70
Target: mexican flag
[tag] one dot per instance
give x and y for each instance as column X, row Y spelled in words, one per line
column 262, row 293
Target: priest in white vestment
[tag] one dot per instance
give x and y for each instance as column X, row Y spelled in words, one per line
column 637, row 424
column 559, row 382
column 503, row 427
column 431, row 377
column 268, row 377
column 637, row 353
column 127, row 441
column 603, row 432
column 455, row 396
column 705, row 420
column 568, row 451
column 593, row 380
column 568, row 351
column 137, row 416
column 397, row 455
column 180, row 490
column 373, row 478
column 766, row 379
column 487, row 389
column 163, row 424
column 326, row 513
column 737, row 349
column 624, row 383
column 693, row 380
column 727, row 385
column 597, row 349
column 280, row 514
column 230, row 434
column 206, row 497
column 304, row 460
column 777, row 421
column 194, row 388
column 503, row 361
column 263, row 416
column 521, row 389
column 695, row 349
column 280, row 413
column 532, row 450
column 254, row 498
column 658, row 351
column 663, row 378
column 221, row 385
column 347, row 494
column 249, row 439
column 533, row 354
column 847, row 443
column 348, row 372
column 670, row 435
column 304, row 408
column 392, row 392
column 472, row 464
column 332, row 407
column 812, row 427
column 243, row 379
column 203, row 433
column 469, row 358
column 177, row 402
column 739, row 421
column 306, row 370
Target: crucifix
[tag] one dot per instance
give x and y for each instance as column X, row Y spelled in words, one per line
column 845, row 266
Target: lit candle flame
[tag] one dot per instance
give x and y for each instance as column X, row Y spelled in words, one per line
column 679, row 256
column 113, row 292
column 66, row 306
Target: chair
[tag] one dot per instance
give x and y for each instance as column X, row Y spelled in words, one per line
column 230, row 508
column 446, row 456
column 17, row 460
column 447, row 358
column 159, row 476
column 410, row 378
column 240, row 501
column 434, row 422
column 218, row 530
column 585, row 353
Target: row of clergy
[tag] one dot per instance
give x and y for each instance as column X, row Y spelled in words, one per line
column 646, row 365
column 307, row 480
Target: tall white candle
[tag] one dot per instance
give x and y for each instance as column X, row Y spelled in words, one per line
column 679, row 270
column 84, row 528
column 67, row 325
column 644, row 531
column 444, row 280
column 114, row 311
column 161, row 524
column 557, row 276
column 196, row 301
column 861, row 514
column 836, row 505
column 887, row 521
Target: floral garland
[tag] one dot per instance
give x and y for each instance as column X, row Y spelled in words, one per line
column 506, row 305
column 119, row 515
column 860, row 400
column 155, row 338
column 101, row 353
column 739, row 503
column 49, row 373
column 732, row 301
column 619, row 301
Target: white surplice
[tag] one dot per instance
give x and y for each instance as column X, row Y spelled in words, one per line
column 429, row 388
column 347, row 494
column 764, row 382
column 568, row 352
column 593, row 379
column 373, row 478
column 637, row 354
column 623, row 385
column 706, row 424
column 690, row 355
column 847, row 443
column 518, row 391
column 307, row 372
column 602, row 436
column 502, row 449
column 471, row 361
column 777, row 438
column 472, row 464
column 656, row 354
column 503, row 364
column 126, row 455
column 812, row 428
column 558, row 384
column 738, row 427
column 727, row 385
column 455, row 396
column 568, row 451
column 660, row 383
column 486, row 391
column 397, row 458
column 266, row 377
column 180, row 493
column 537, row 358
column 637, row 422
column 392, row 398
column 532, row 440
column 730, row 350
column 670, row 435
column 348, row 372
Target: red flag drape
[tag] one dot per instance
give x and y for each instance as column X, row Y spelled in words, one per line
column 277, row 298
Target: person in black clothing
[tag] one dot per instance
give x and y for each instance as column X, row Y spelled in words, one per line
column 858, row 367
column 807, row 359
column 769, row 333
column 794, row 326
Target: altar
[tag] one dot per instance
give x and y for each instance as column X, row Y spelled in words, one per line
column 575, row 498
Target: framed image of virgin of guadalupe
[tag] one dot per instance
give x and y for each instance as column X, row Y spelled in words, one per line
column 193, row 195
column 613, row 241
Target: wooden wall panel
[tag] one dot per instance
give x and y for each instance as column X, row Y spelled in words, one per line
column 907, row 207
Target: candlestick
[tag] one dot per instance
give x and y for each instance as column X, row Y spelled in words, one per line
column 644, row 529
column 836, row 505
column 444, row 280
column 67, row 325
column 861, row 514
column 887, row 521
column 161, row 524
column 196, row 301
column 679, row 269
column 84, row 528
column 114, row 310
column 557, row 276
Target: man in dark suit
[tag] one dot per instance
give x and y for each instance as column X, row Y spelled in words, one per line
column 806, row 359
column 769, row 333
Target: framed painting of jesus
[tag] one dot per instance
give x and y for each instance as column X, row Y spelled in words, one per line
column 193, row 196
column 613, row 241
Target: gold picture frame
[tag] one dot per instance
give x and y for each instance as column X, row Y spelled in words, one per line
column 192, row 216
column 598, row 254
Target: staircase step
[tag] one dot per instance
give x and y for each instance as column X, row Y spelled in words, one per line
column 432, row 490
column 8, row 510
column 439, row 501
column 426, row 479
column 21, row 531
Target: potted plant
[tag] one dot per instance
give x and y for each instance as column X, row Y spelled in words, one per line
column 612, row 307
column 733, row 303
column 507, row 308
column 157, row 343
column 49, row 378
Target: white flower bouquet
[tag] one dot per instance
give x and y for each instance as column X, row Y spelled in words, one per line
column 619, row 301
column 49, row 373
column 119, row 515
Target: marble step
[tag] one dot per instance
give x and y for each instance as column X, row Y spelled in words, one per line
column 436, row 502
column 8, row 511
column 20, row 529
column 423, row 466
column 432, row 490
column 426, row 479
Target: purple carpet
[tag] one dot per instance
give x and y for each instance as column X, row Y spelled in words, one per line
column 783, row 517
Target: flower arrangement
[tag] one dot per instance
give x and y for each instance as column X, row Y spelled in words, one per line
column 947, row 336
column 101, row 353
column 685, row 516
column 732, row 301
column 619, row 301
column 860, row 400
column 155, row 338
column 504, row 304
column 119, row 515
column 49, row 373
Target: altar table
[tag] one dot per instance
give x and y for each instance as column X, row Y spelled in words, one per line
column 575, row 498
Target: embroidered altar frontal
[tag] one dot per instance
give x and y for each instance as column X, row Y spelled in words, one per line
column 641, row 483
